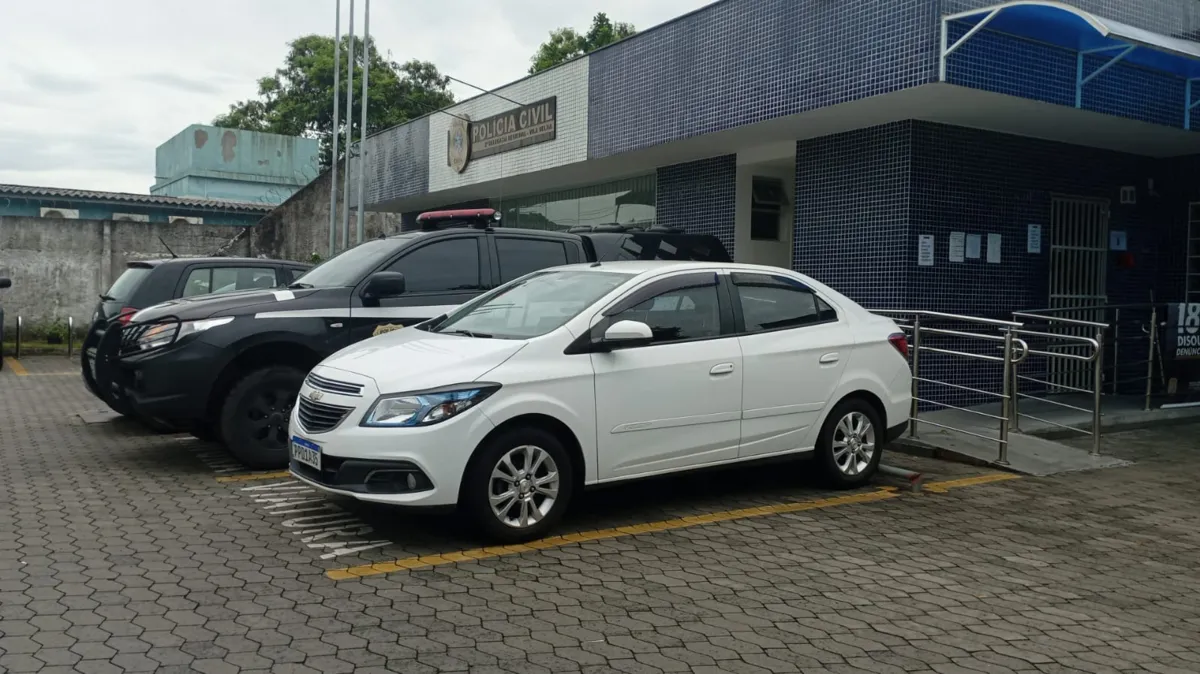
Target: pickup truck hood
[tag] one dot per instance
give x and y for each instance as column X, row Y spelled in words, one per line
column 225, row 304
column 412, row 359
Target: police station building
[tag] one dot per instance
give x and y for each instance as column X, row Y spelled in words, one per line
column 941, row 154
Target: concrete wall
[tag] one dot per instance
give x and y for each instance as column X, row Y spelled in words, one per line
column 299, row 227
column 59, row 267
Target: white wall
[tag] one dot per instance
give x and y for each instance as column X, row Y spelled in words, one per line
column 568, row 82
column 776, row 253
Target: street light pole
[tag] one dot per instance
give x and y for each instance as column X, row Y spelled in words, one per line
column 349, row 130
column 362, row 127
column 333, row 158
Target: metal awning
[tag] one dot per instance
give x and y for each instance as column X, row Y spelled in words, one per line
column 1062, row 25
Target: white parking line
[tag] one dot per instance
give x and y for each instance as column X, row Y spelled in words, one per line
column 313, row 519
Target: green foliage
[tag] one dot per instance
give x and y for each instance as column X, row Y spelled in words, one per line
column 565, row 43
column 315, row 258
column 298, row 99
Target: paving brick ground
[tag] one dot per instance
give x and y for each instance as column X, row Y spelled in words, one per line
column 120, row 550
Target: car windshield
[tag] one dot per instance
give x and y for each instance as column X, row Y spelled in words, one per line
column 533, row 305
column 347, row 268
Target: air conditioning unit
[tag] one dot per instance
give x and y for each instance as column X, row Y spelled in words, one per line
column 185, row 220
column 63, row 213
column 130, row 217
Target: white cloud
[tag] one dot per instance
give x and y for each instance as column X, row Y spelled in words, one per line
column 89, row 88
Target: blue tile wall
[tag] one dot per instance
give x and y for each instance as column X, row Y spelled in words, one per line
column 743, row 61
column 852, row 203
column 699, row 197
column 398, row 162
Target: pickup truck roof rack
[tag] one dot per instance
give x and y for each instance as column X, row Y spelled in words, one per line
column 614, row 227
column 475, row 218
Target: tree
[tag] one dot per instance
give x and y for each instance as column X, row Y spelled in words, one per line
column 565, row 43
column 298, row 99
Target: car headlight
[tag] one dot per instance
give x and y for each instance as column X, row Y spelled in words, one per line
column 426, row 408
column 164, row 334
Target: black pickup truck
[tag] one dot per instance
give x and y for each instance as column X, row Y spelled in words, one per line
column 228, row 367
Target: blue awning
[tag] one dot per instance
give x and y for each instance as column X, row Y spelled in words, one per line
column 1061, row 24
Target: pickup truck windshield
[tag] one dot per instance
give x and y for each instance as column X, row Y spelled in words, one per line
column 533, row 305
column 348, row 267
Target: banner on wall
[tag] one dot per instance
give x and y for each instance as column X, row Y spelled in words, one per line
column 1182, row 340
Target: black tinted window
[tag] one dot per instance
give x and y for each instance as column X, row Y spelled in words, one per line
column 687, row 313
column 519, row 257
column 127, row 284
column 774, row 303
column 452, row 264
column 650, row 246
column 297, row 273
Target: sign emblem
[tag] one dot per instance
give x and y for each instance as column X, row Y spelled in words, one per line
column 386, row 328
column 315, row 395
column 458, row 144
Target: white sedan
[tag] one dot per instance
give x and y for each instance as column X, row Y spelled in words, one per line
column 591, row 374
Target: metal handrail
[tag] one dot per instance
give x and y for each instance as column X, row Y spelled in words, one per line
column 1094, row 355
column 1013, row 350
column 17, row 349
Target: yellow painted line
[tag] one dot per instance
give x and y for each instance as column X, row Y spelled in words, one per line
column 254, row 476
column 17, row 368
column 52, row 374
column 943, row 487
column 429, row 561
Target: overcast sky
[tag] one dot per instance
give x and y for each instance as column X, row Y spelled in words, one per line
column 88, row 88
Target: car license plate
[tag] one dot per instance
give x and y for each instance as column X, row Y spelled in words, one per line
column 306, row 452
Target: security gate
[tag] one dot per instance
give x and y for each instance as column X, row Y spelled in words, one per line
column 1078, row 274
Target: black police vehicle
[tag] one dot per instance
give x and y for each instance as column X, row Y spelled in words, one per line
column 229, row 367
column 145, row 283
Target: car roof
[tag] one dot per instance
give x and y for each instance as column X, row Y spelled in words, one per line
column 640, row 267
column 211, row 260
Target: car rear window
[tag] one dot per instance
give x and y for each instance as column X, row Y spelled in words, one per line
column 645, row 247
column 127, row 284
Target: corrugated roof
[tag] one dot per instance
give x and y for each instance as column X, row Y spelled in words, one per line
column 148, row 199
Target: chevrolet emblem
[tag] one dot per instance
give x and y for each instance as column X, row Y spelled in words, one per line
column 315, row 396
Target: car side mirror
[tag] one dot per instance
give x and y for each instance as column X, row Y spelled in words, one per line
column 628, row 333
column 5, row 283
column 384, row 284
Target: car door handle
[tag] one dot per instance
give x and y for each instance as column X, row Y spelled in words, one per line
column 830, row 358
column 722, row 368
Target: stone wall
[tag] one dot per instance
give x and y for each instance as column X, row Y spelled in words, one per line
column 60, row 267
column 299, row 227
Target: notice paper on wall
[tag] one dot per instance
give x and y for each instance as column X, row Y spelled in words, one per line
column 1034, row 242
column 958, row 246
column 993, row 253
column 974, row 245
column 925, row 246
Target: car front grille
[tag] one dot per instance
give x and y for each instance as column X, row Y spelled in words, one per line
column 318, row 417
column 130, row 335
column 334, row 386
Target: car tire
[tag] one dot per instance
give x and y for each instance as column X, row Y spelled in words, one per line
column 255, row 416
column 511, row 453
column 851, row 444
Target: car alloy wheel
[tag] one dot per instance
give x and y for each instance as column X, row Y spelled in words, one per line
column 853, row 444
column 524, row 486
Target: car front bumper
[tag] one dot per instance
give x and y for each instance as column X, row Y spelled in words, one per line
column 417, row 467
column 171, row 384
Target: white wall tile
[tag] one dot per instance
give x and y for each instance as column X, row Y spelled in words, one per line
column 569, row 83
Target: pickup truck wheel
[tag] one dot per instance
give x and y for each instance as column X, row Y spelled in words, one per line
column 255, row 416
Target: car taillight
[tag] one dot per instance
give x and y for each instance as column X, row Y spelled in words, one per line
column 126, row 314
column 900, row 341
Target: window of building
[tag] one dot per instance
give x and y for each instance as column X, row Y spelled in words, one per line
column 686, row 313
column 767, row 200
column 772, row 303
column 442, row 266
column 626, row 202
column 211, row 280
column 519, row 257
